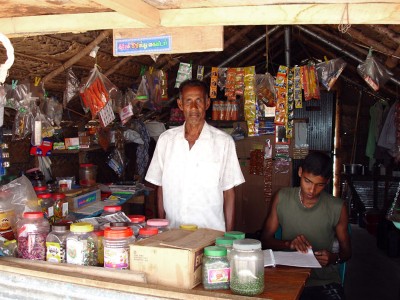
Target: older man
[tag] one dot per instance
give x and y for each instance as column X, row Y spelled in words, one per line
column 195, row 167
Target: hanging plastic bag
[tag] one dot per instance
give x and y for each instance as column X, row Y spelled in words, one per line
column 71, row 87
column 329, row 71
column 97, row 91
column 18, row 92
column 373, row 72
column 143, row 94
column 23, row 121
column 53, row 110
column 3, row 102
column 116, row 162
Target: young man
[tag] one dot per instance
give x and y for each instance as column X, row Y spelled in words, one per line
column 310, row 218
column 195, row 167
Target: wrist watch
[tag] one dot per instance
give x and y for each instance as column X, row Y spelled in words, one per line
column 338, row 260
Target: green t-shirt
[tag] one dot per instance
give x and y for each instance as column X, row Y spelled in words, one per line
column 317, row 224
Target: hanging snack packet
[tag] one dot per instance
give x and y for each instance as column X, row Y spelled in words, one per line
column 214, row 83
column 184, row 72
column 230, row 84
column 297, row 93
column 71, row 87
column 373, row 72
column 200, row 72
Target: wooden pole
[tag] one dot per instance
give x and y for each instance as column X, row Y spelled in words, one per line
column 354, row 147
column 118, row 65
column 103, row 35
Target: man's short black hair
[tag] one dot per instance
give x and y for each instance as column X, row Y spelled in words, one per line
column 193, row 82
column 318, row 164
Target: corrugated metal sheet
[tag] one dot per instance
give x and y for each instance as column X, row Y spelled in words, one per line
column 321, row 116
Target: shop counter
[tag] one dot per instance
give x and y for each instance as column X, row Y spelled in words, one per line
column 23, row 279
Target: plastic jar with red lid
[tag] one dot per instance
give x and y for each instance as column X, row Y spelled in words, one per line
column 87, row 174
column 161, row 224
column 111, row 209
column 116, row 247
column 46, row 203
column 137, row 222
column 60, row 206
column 32, row 231
column 147, row 232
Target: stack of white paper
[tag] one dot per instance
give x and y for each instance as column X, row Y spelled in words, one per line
column 292, row 258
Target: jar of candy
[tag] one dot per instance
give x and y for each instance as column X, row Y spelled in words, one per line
column 46, row 203
column 40, row 189
column 247, row 267
column 215, row 268
column 137, row 222
column 56, row 243
column 160, row 224
column 238, row 235
column 147, row 232
column 116, row 247
column 111, row 209
column 32, row 231
column 191, row 227
column 227, row 242
column 87, row 174
column 82, row 245
column 60, row 206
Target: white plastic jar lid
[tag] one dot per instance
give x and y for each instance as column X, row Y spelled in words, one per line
column 247, row 244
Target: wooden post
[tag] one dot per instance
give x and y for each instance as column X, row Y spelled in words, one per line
column 103, row 35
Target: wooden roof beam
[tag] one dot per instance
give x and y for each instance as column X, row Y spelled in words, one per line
column 138, row 10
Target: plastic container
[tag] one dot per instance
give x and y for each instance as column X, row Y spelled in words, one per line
column 235, row 234
column 116, row 247
column 247, row 268
column 227, row 242
column 137, row 222
column 32, row 231
column 160, row 224
column 46, row 203
column 82, row 245
column 87, row 174
column 191, row 227
column 7, row 218
column 40, row 189
column 216, row 272
column 56, row 243
column 146, row 232
column 60, row 207
column 111, row 209
column 100, row 247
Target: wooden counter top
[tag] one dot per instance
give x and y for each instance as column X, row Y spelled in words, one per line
column 280, row 283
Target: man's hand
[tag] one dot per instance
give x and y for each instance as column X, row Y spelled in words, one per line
column 325, row 257
column 300, row 243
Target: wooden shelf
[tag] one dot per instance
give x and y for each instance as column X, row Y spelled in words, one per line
column 75, row 151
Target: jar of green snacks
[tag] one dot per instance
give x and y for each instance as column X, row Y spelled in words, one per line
column 247, row 267
column 216, row 270
column 82, row 245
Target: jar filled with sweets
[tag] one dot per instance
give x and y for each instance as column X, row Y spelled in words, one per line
column 46, row 203
column 216, row 272
column 161, row 224
column 137, row 222
column 56, row 243
column 82, row 245
column 111, row 209
column 238, row 235
column 60, row 207
column 146, row 232
column 247, row 267
column 32, row 231
column 227, row 242
column 116, row 247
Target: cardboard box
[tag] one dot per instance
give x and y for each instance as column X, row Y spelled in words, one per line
column 173, row 258
column 82, row 200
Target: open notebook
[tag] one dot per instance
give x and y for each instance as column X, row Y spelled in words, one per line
column 292, row 258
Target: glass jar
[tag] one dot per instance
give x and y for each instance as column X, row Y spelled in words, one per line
column 82, row 245
column 87, row 174
column 32, row 231
column 60, row 207
column 227, row 242
column 100, row 247
column 56, row 243
column 7, row 217
column 40, row 189
column 137, row 222
column 247, row 267
column 191, row 227
column 116, row 247
column 215, row 268
column 146, row 232
column 238, row 235
column 46, row 203
column 160, row 224
column 111, row 209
